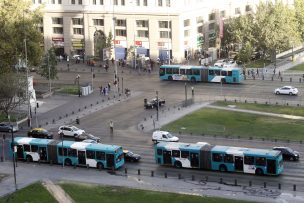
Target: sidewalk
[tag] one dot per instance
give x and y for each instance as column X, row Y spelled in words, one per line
column 57, row 192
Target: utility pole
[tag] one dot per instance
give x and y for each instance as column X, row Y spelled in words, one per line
column 114, row 37
column 157, row 105
column 185, row 94
column 27, row 87
column 14, row 151
column 48, row 64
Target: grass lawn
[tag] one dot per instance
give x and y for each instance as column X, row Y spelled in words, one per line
column 299, row 67
column 14, row 117
column 34, row 193
column 91, row 193
column 220, row 122
column 258, row 63
column 69, row 90
column 289, row 110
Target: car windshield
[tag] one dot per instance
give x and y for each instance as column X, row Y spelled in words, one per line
column 169, row 135
column 289, row 150
column 74, row 128
column 130, row 153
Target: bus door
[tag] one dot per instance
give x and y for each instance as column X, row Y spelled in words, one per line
column 194, row 160
column 239, row 163
column 20, row 154
column 110, row 160
column 81, row 158
column 271, row 166
column 204, row 75
column 167, row 157
column 42, row 153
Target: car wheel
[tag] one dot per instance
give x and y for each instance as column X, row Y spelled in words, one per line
column 290, row 93
column 294, row 158
column 277, row 92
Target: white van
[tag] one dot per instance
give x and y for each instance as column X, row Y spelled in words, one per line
column 163, row 136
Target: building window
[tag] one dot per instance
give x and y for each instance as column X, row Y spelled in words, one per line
column 164, row 24
column 145, row 2
column 58, row 21
column 143, row 33
column 40, row 29
column 80, row 2
column 199, row 19
column 123, row 2
column 59, row 1
column 120, row 22
column 223, row 14
column 212, row 16
column 39, row 1
column 137, row 2
column 186, row 33
column 168, row 3
column 248, row 8
column 160, row 2
column 94, row 2
column 115, row 2
column 58, row 30
column 237, row 11
column 101, row 2
column 164, row 34
column 211, row 26
column 72, row 1
column 142, row 23
column 53, row 1
column 186, row 22
column 33, row 1
column 98, row 22
column 78, row 31
column 77, row 21
column 200, row 29
column 120, row 32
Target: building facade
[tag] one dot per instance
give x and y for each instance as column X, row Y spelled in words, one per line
column 155, row 27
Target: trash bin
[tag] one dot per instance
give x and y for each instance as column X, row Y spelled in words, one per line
column 77, row 121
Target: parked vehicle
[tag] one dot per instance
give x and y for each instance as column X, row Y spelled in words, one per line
column 7, row 127
column 40, row 133
column 130, row 156
column 219, row 63
column 69, row 130
column 86, row 136
column 286, row 90
column 288, row 153
column 153, row 103
column 163, row 136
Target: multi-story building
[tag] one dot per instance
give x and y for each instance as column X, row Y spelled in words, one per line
column 155, row 27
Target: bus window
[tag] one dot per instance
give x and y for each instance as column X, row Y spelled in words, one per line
column 224, row 73
column 184, row 154
column 196, row 72
column 189, row 72
column 228, row 158
column 161, row 71
column 260, row 161
column 211, row 72
column 249, row 160
column 168, row 70
column 72, row 152
column 175, row 71
column 34, row 148
column 217, row 157
column 229, row 73
column 217, row 72
column 182, row 71
column 26, row 148
column 175, row 153
column 64, row 151
column 159, row 152
column 90, row 154
column 100, row 155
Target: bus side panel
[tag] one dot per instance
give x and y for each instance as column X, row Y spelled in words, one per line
column 204, row 75
column 52, row 152
column 205, row 157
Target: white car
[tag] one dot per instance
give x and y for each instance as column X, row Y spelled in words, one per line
column 163, row 136
column 69, row 130
column 286, row 90
column 76, row 57
column 220, row 63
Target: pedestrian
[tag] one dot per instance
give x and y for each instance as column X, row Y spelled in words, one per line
column 100, row 89
column 279, row 74
column 111, row 124
column 109, row 87
column 257, row 72
column 104, row 91
column 248, row 72
column 112, row 60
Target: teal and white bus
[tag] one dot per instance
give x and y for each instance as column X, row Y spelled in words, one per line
column 201, row 74
column 219, row 158
column 69, row 152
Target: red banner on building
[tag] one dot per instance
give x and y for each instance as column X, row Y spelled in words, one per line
column 138, row 43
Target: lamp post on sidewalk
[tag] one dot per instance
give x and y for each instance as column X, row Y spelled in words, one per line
column 185, row 94
column 157, row 105
column 78, row 78
column 14, row 151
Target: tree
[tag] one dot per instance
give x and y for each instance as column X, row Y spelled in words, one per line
column 101, row 42
column 18, row 23
column 245, row 52
column 299, row 9
column 48, row 68
column 12, row 90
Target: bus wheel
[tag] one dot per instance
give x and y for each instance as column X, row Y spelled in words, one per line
column 67, row 162
column 170, row 78
column 259, row 172
column 223, row 168
column 223, row 80
column 193, row 80
column 29, row 158
column 99, row 166
column 178, row 164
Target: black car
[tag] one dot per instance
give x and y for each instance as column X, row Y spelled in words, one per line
column 153, row 103
column 6, row 127
column 288, row 154
column 86, row 136
column 130, row 156
column 40, row 133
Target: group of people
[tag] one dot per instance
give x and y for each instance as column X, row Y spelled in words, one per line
column 105, row 90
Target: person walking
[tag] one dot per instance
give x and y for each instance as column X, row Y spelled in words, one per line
column 109, row 87
column 111, row 124
column 100, row 89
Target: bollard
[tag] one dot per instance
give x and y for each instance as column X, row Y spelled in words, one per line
column 179, row 176
column 152, row 173
column 166, row 175
column 279, row 186
column 53, row 121
column 294, row 187
column 281, row 79
column 73, row 112
column 85, row 107
column 66, row 115
column 193, row 178
column 126, row 170
column 235, row 182
column 138, row 172
column 60, row 117
column 88, row 166
column 79, row 110
column 290, row 80
column 91, row 105
column 221, row 180
column 271, row 78
column 263, row 77
column 245, row 101
column 264, row 184
column 46, row 123
column 250, row 183
column 97, row 102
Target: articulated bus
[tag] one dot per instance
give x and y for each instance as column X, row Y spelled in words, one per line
column 69, row 152
column 201, row 74
column 219, row 158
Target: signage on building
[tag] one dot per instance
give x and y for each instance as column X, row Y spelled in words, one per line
column 164, row 45
column 138, row 43
column 117, row 42
column 58, row 41
column 78, row 43
column 120, row 43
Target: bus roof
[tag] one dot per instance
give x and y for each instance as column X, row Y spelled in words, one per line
column 102, row 147
column 29, row 140
column 245, row 151
column 201, row 67
column 180, row 145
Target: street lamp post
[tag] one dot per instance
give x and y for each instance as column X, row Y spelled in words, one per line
column 78, row 78
column 157, row 105
column 48, row 64
column 185, row 94
column 14, row 151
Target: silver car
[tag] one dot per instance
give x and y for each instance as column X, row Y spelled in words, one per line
column 286, row 90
